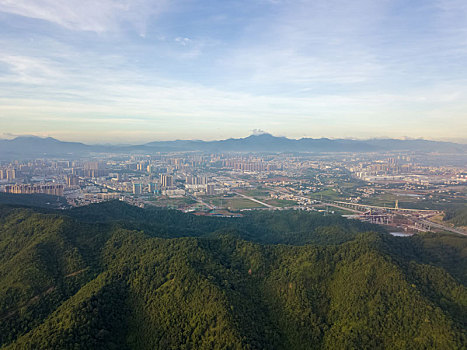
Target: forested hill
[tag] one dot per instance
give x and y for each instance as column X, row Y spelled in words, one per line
column 457, row 217
column 112, row 276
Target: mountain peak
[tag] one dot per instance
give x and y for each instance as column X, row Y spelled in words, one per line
column 262, row 135
column 31, row 146
column 28, row 137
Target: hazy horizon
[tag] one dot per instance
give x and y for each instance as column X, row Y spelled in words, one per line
column 252, row 133
column 138, row 71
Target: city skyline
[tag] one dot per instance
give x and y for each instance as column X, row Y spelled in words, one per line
column 140, row 71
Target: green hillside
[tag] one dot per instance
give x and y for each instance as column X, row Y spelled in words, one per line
column 112, row 276
column 457, row 217
column 33, row 200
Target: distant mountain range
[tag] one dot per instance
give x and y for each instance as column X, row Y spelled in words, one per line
column 32, row 146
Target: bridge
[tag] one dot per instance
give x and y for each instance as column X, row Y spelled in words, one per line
column 365, row 207
column 417, row 223
column 382, row 219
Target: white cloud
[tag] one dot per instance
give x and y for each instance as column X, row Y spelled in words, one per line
column 311, row 42
column 88, row 15
column 287, row 66
column 29, row 70
column 316, row 68
column 182, row 41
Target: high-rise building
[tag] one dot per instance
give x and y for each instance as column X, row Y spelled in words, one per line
column 152, row 187
column 141, row 166
column 10, row 174
column 190, row 180
column 166, row 180
column 137, row 188
column 94, row 169
column 72, row 180
column 196, row 180
column 210, row 190
column 53, row 189
column 92, row 166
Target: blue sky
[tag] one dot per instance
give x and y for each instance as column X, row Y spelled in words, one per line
column 142, row 70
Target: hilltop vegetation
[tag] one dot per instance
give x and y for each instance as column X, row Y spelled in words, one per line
column 112, row 276
column 457, row 217
column 33, row 200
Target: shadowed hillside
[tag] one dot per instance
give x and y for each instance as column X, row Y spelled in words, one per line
column 112, row 276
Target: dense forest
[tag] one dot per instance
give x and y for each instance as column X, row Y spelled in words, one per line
column 33, row 200
column 457, row 216
column 113, row 276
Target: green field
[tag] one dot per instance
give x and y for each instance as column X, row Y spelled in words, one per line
column 256, row 193
column 235, row 203
column 387, row 200
column 280, row 202
column 173, row 202
column 326, row 195
column 436, row 203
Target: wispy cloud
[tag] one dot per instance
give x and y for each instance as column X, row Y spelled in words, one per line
column 28, row 70
column 88, row 15
column 301, row 68
column 303, row 44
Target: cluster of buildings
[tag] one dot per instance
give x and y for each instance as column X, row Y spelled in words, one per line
column 245, row 166
column 148, row 178
column 52, row 189
column 388, row 167
column 7, row 174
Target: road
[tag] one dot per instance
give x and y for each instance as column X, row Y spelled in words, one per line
column 385, row 208
column 344, row 208
column 422, row 221
column 255, row 200
column 199, row 200
column 442, row 227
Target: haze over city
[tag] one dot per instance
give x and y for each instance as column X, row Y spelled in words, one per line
column 138, row 71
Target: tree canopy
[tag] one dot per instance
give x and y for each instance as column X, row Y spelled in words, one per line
column 112, row 276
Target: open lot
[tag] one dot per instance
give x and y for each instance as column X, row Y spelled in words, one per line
column 234, row 203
